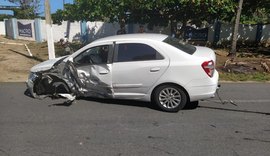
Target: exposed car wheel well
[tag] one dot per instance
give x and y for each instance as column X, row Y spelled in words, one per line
column 50, row 84
column 174, row 84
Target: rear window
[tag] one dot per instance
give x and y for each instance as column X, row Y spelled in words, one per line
column 180, row 45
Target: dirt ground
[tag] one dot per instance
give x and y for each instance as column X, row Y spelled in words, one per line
column 15, row 61
column 245, row 62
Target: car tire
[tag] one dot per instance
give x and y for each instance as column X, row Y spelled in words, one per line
column 192, row 105
column 170, row 98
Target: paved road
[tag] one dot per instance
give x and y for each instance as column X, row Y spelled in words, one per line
column 30, row 127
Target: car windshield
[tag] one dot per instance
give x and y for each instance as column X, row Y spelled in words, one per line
column 180, row 45
column 59, row 61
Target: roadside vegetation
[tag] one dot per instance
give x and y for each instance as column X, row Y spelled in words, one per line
column 236, row 77
column 247, row 66
column 248, row 63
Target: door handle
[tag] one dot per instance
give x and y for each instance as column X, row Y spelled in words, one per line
column 155, row 69
column 103, row 72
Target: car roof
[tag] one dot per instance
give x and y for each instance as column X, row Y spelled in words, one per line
column 125, row 37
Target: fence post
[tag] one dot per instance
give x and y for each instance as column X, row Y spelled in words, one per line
column 14, row 28
column 259, row 32
column 217, row 32
column 5, row 23
column 84, row 32
column 130, row 28
column 37, row 30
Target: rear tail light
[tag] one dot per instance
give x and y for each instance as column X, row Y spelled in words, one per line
column 209, row 67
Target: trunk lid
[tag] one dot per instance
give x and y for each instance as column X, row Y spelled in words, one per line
column 205, row 52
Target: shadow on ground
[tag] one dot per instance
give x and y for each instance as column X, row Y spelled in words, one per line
column 133, row 103
column 27, row 56
column 235, row 110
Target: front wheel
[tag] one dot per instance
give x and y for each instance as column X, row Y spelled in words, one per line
column 170, row 98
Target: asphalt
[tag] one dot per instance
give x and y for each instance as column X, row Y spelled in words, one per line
column 238, row 126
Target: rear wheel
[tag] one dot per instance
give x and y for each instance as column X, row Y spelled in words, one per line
column 170, row 98
column 192, row 105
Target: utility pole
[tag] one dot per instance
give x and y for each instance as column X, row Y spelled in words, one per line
column 50, row 42
column 236, row 27
column 63, row 4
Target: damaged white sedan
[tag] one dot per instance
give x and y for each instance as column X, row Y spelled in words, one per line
column 148, row 67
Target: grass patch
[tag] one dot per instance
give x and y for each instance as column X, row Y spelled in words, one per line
column 260, row 77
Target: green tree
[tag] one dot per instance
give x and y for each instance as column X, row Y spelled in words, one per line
column 235, row 30
column 28, row 8
column 3, row 16
column 254, row 12
column 161, row 12
column 156, row 12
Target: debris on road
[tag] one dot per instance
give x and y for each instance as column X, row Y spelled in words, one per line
column 265, row 67
column 246, row 67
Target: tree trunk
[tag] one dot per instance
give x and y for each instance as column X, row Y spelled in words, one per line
column 235, row 30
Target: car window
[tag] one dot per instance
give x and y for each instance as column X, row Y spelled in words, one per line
column 180, row 45
column 136, row 52
column 95, row 55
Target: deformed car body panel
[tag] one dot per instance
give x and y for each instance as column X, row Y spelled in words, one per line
column 125, row 77
column 48, row 64
column 95, row 80
column 64, row 80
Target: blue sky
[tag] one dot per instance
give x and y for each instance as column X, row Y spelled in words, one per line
column 55, row 4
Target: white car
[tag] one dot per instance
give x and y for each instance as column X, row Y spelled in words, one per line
column 148, row 67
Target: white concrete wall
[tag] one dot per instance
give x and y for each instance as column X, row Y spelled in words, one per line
column 74, row 31
column 225, row 32
column 266, row 32
column 156, row 29
column 2, row 28
column 9, row 32
column 43, row 30
column 59, row 31
column 211, row 32
column 101, row 29
column 33, row 38
column 245, row 33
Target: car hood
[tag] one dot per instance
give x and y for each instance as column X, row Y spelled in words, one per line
column 46, row 65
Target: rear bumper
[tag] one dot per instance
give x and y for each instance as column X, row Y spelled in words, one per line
column 203, row 92
column 203, row 88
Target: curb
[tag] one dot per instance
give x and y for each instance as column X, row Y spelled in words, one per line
column 244, row 81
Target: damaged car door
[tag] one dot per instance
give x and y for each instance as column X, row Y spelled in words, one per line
column 93, row 71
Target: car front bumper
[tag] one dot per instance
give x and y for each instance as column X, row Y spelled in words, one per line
column 30, row 84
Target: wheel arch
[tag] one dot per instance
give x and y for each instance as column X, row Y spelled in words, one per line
column 171, row 83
